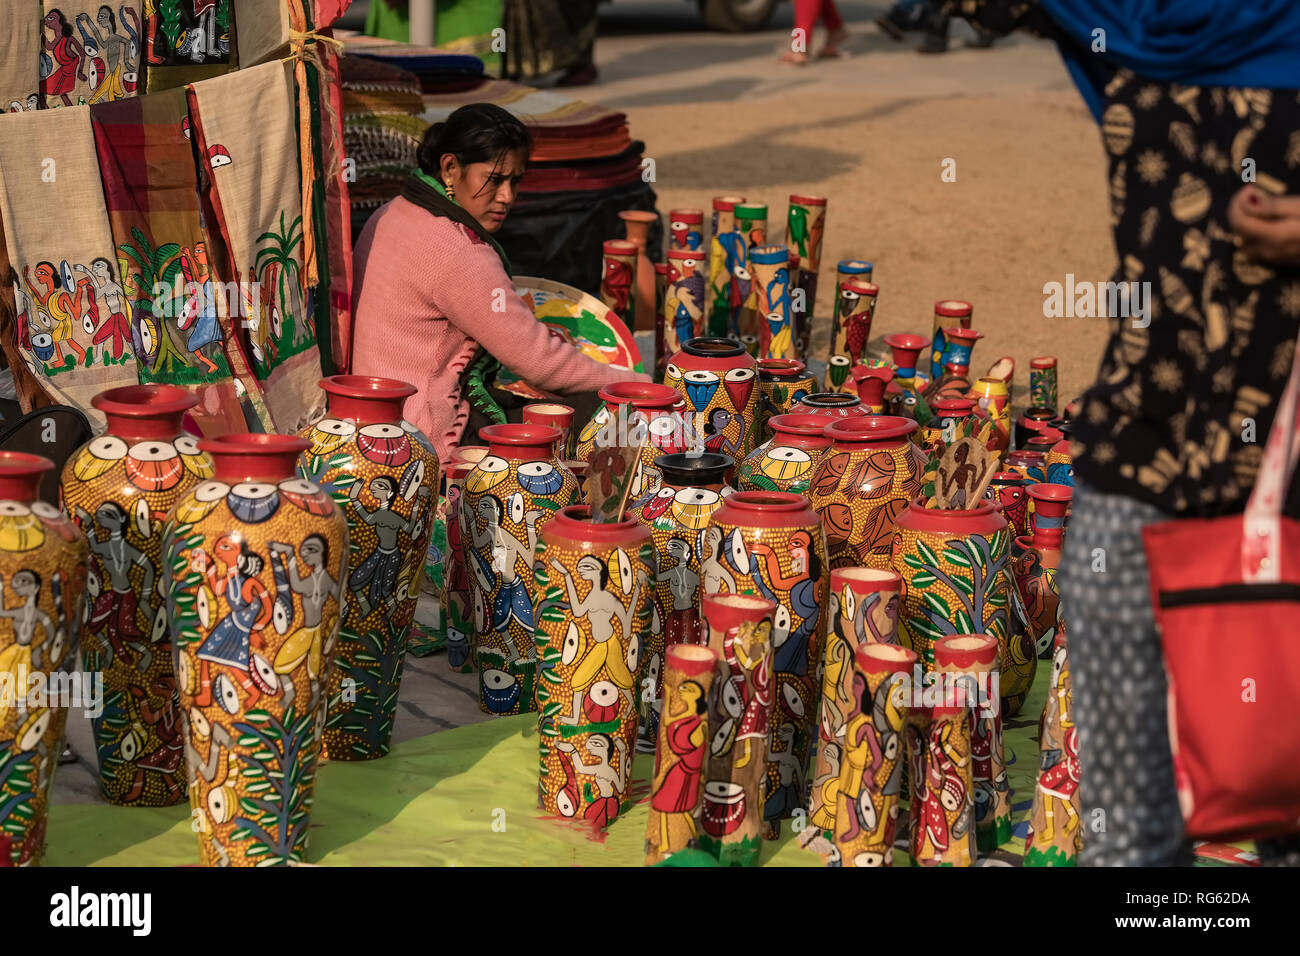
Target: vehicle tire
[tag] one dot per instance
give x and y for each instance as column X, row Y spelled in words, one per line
column 736, row 16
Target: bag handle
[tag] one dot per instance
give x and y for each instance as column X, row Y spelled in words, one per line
column 1261, row 546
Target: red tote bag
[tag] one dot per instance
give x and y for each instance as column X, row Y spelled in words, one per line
column 1226, row 593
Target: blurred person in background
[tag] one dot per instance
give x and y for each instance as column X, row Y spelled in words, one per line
column 807, row 13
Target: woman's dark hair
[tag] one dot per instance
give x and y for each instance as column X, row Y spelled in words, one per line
column 475, row 133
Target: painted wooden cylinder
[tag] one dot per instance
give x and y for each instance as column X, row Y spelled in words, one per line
column 726, row 255
column 457, row 599
column 751, row 225
column 769, row 268
column 991, row 793
column 947, row 314
column 1011, row 491
column 720, row 382
column 686, row 230
column 1055, row 821
column 618, row 278
column 661, row 341
column 1042, row 382
column 788, row 460
column 850, row 333
column 685, row 300
column 1035, row 558
column 805, row 227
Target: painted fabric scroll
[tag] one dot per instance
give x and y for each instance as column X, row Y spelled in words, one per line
column 256, row 199
column 186, row 41
column 72, row 314
column 90, row 51
column 20, row 57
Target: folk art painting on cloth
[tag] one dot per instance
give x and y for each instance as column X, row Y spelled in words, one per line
column 186, row 40
column 20, row 57
column 90, row 51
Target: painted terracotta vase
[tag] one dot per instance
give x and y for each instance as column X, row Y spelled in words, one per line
column 906, row 348
column 992, row 403
column 953, row 420
column 637, row 223
column 683, row 746
column 382, row 471
column 862, row 484
column 1011, row 491
column 863, row 609
column 118, row 489
column 830, row 404
column 557, row 416
column 726, row 257
column 850, row 332
column 719, row 379
column 955, row 381
column 805, row 227
column 686, row 305
column 594, row 602
column 740, row 717
column 948, row 313
column 676, row 514
column 990, row 791
column 1060, row 464
column 652, row 417
column 43, row 572
column 789, row 459
column 770, row 543
column 457, row 599
column 508, row 499
column 1042, row 382
column 253, row 654
column 1030, row 465
column 769, row 269
column 857, row 269
column 956, row 578
column 618, row 278
column 1035, row 558
column 1032, row 421
column 871, row 775
column 661, row 297
column 781, row 383
column 872, row 381
column 686, row 230
column 1055, row 831
column 751, row 226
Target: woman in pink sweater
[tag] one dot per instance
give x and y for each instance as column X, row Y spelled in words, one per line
column 433, row 302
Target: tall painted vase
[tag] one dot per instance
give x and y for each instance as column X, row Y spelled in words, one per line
column 948, row 313
column 594, row 602
column 726, row 256
column 769, row 268
column 118, row 489
column 686, row 306
column 906, row 349
column 771, row 544
column 652, row 417
column 509, row 498
column 382, row 471
column 686, row 230
column 863, row 484
column 720, row 382
column 1055, row 822
column 740, row 716
column 457, row 599
column 805, row 227
column 43, row 571
column 781, row 383
column 637, row 223
column 677, row 514
column 1035, row 558
column 751, row 225
column 252, row 654
column 618, row 278
column 557, row 416
column 788, row 460
column 1042, row 382
column 990, row 790
column 850, row 332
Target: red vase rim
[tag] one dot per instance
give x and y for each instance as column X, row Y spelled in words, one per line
column 1009, row 478
column 691, row 659
column 638, row 215
column 368, row 387
column 807, row 200
column 953, row 308
column 781, row 368
column 679, row 254
column 1047, row 493
column 886, row 658
column 1047, row 436
column 252, row 456
column 727, row 203
column 966, row 651
column 861, row 287
column 934, row 519
column 619, row 247
column 713, row 347
column 640, row 395
column 573, row 522
column 145, row 401
column 1046, row 361
column 686, row 214
column 1037, row 416
column 870, row 429
column 740, row 602
column 830, row 400
column 960, row 333
column 959, row 405
column 879, row 578
column 506, row 441
column 767, row 502
column 906, row 341
column 20, row 475
column 544, row 408
column 1035, row 457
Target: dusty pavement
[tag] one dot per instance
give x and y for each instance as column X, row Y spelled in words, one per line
column 871, row 132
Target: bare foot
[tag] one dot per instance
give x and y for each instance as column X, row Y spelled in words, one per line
column 798, row 59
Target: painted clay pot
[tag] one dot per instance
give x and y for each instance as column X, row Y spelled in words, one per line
column 786, row 462
column 850, row 333
column 118, row 489
column 637, row 222
column 1032, row 421
column 1011, row 491
column 862, row 484
column 1055, row 832
column 253, row 654
column 771, row 544
column 976, row 661
column 43, row 571
column 955, row 576
column 1060, row 464
column 726, row 255
column 685, row 301
column 805, row 227
column 618, row 278
column 686, row 230
column 719, row 379
column 683, row 740
column 751, row 226
column 781, row 383
column 956, row 378
column 1035, row 558
column 579, row 469
column 871, row 383
column 652, row 417
column 951, row 422
column 508, row 499
column 383, row 473
column 992, row 403
column 906, row 348
column 863, row 609
column 676, row 514
column 661, row 297
column 1030, row 465
column 832, row 405
column 557, row 416
column 740, row 718
column 871, row 775
column 457, row 599
column 1042, row 382
column 947, row 314
column 594, row 602
column 769, row 268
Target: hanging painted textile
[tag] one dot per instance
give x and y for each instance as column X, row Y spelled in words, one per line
column 20, row 56
column 72, row 313
column 262, row 28
column 337, row 223
column 90, row 51
column 255, row 195
column 186, row 41
column 179, row 316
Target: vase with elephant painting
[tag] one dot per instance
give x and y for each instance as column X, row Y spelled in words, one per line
column 508, row 499
column 43, row 577
column 253, row 648
column 652, row 417
column 720, row 382
column 118, row 489
column 862, row 484
column 787, row 461
column 595, row 597
column 770, row 544
column 693, row 487
column 383, row 473
column 1035, row 558
column 781, row 383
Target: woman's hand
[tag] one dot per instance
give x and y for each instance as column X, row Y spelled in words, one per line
column 1269, row 226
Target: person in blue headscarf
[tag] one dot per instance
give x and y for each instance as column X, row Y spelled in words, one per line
column 1199, row 107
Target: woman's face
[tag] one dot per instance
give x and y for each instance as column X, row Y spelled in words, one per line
column 486, row 190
